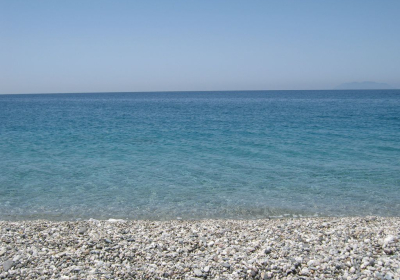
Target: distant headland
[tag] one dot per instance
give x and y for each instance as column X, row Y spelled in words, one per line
column 364, row 85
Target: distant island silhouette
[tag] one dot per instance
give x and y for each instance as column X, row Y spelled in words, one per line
column 364, row 85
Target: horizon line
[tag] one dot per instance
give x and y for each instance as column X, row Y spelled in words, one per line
column 172, row 91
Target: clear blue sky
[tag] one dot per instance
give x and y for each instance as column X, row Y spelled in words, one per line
column 101, row 46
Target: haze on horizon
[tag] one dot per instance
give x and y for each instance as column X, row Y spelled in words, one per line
column 108, row 46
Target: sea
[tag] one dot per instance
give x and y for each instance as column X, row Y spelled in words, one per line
column 200, row 155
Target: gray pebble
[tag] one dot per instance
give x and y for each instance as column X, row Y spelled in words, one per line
column 7, row 264
column 268, row 251
column 198, row 272
column 82, row 230
column 226, row 265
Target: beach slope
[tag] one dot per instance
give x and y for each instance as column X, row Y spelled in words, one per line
column 307, row 248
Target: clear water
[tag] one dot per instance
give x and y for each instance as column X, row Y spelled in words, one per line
column 200, row 155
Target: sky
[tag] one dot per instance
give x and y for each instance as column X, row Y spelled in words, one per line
column 49, row 46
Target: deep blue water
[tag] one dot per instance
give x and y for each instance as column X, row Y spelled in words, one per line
column 200, row 154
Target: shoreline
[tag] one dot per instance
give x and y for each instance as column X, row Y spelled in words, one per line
column 279, row 248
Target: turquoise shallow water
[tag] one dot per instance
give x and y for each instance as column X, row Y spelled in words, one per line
column 200, row 155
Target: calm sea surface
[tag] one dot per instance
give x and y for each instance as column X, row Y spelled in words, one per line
column 200, row 155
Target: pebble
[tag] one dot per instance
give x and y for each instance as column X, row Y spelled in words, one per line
column 82, row 230
column 7, row 265
column 226, row 265
column 304, row 271
column 289, row 248
column 198, row 272
column 264, row 276
column 389, row 239
column 268, row 251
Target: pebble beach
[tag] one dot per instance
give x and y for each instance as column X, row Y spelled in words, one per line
column 306, row 248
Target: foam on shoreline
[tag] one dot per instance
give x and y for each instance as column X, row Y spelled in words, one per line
column 309, row 248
